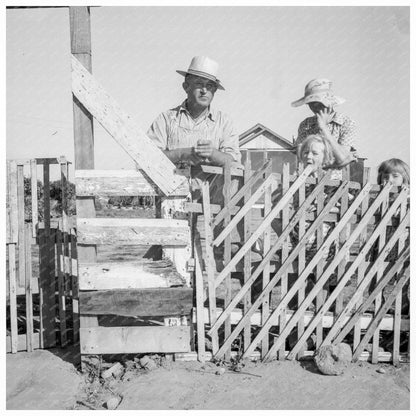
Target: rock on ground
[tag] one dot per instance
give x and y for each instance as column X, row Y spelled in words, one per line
column 333, row 360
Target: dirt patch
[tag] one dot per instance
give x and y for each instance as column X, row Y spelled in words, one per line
column 49, row 380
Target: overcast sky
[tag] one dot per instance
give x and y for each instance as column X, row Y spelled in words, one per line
column 266, row 56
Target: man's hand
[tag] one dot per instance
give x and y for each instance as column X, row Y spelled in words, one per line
column 324, row 117
column 204, row 149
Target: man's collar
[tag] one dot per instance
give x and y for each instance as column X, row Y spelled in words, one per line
column 211, row 113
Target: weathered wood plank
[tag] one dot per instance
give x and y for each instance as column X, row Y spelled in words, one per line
column 61, row 289
column 137, row 302
column 119, row 182
column 124, row 340
column 218, row 170
column 328, row 319
column 124, row 131
column 28, row 288
column 13, row 221
column 34, row 191
column 128, row 275
column 133, row 231
column 199, row 295
column 21, row 225
column 12, row 296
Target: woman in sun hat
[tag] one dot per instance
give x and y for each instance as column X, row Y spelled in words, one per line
column 326, row 122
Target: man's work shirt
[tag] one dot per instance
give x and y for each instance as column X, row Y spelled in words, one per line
column 342, row 128
column 176, row 128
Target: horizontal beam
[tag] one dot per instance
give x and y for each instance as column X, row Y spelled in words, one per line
column 137, row 302
column 133, row 339
column 327, row 321
column 119, row 182
column 133, row 231
column 21, row 342
column 128, row 275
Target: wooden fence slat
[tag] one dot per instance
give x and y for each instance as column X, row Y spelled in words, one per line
column 95, row 182
column 347, row 275
column 241, row 192
column 377, row 302
column 137, row 302
column 363, row 265
column 329, row 240
column 265, row 307
column 320, row 266
column 123, row 130
column 227, row 250
column 285, row 253
column 364, row 306
column 12, row 296
column 285, row 233
column 218, row 170
column 74, row 285
column 255, row 236
column 21, row 225
column 398, row 302
column 301, row 266
column 133, row 231
column 135, row 339
column 210, row 266
column 199, row 298
column 13, row 221
column 61, row 289
column 34, row 192
column 28, row 287
column 247, row 258
column 379, row 316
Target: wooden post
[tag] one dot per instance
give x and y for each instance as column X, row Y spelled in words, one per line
column 47, row 270
column 227, row 252
column 247, row 257
column 34, row 188
column 28, row 289
column 285, row 253
column 21, row 222
column 265, row 307
column 80, row 32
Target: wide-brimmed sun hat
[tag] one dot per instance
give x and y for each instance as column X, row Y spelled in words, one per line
column 204, row 67
column 319, row 90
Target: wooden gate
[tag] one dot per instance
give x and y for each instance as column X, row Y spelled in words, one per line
column 321, row 278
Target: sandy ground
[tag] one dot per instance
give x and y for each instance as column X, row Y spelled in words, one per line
column 50, row 380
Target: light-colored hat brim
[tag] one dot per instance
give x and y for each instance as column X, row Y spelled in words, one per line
column 203, row 75
column 324, row 98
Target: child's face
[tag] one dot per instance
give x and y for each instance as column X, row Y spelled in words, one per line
column 395, row 178
column 313, row 155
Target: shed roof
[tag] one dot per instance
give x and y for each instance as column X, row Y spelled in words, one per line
column 260, row 129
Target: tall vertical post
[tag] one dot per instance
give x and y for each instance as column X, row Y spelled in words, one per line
column 80, row 31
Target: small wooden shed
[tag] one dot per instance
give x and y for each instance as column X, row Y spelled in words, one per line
column 260, row 143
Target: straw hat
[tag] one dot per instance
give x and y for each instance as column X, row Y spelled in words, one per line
column 204, row 67
column 319, row 90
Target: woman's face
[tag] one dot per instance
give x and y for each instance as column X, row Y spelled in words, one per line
column 395, row 178
column 313, row 155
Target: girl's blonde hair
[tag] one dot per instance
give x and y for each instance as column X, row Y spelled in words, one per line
column 394, row 166
column 328, row 159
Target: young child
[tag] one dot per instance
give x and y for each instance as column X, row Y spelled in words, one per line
column 396, row 172
column 393, row 171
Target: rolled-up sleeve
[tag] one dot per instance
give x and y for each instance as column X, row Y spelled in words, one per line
column 230, row 142
column 158, row 131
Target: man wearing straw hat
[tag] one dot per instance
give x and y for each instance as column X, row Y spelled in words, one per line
column 336, row 127
column 194, row 133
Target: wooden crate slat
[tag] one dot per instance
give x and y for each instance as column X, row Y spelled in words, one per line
column 125, row 340
column 123, row 130
column 12, row 296
column 137, row 302
column 28, row 288
column 128, row 275
column 119, row 183
column 34, row 192
column 133, row 231
column 21, row 342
